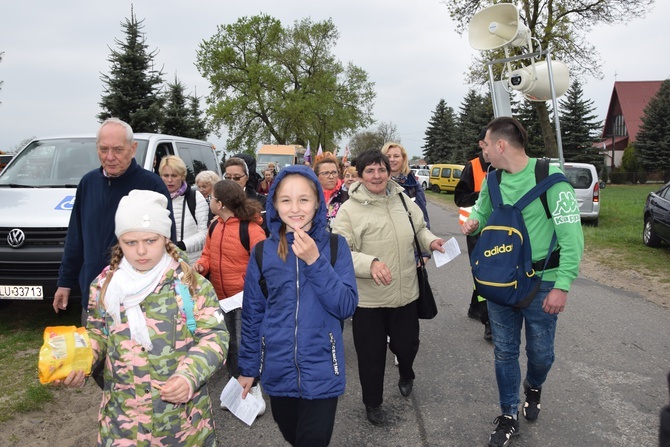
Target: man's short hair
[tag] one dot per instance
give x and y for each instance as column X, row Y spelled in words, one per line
column 508, row 129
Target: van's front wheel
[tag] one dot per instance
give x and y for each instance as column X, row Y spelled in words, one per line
column 435, row 188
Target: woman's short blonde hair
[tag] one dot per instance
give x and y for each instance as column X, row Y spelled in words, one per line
column 350, row 170
column 174, row 162
column 404, row 169
column 207, row 178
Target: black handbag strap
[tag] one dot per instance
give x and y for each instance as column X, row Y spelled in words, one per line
column 411, row 224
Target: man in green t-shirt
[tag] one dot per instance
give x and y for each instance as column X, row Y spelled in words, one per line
column 504, row 145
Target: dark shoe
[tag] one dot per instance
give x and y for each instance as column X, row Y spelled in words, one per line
column 488, row 335
column 376, row 415
column 473, row 313
column 531, row 409
column 405, row 386
column 506, row 428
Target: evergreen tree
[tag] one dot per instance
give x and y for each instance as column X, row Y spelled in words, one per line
column 132, row 88
column 441, row 145
column 526, row 113
column 579, row 127
column 653, row 139
column 198, row 127
column 475, row 113
column 176, row 119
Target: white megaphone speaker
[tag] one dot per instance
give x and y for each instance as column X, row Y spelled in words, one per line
column 533, row 81
column 497, row 26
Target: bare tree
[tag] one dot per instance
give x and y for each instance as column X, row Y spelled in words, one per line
column 563, row 25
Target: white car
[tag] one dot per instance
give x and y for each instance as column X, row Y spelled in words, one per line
column 423, row 177
column 584, row 179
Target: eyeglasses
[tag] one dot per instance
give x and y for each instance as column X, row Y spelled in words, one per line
column 211, row 197
column 236, row 178
column 329, row 173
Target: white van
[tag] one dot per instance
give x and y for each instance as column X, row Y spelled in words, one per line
column 37, row 191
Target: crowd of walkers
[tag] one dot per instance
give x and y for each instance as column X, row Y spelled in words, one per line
column 309, row 247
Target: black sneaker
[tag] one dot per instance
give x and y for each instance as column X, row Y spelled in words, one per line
column 506, row 428
column 376, row 415
column 488, row 335
column 473, row 313
column 531, row 409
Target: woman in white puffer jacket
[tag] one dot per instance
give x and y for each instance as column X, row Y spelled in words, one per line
column 191, row 223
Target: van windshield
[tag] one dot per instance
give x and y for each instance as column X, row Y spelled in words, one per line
column 55, row 163
column 281, row 160
column 52, row 163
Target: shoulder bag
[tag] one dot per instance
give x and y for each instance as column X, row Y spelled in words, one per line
column 426, row 308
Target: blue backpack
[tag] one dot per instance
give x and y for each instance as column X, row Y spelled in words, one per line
column 502, row 263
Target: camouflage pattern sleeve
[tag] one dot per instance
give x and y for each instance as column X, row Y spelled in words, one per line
column 211, row 336
column 95, row 323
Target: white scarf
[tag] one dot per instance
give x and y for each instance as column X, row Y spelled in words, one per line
column 130, row 287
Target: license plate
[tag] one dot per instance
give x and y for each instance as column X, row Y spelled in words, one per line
column 21, row 293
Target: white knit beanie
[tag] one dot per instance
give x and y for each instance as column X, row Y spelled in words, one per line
column 143, row 211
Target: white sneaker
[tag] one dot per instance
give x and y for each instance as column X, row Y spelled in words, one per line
column 395, row 360
column 256, row 391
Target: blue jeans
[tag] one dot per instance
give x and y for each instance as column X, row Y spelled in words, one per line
column 540, row 332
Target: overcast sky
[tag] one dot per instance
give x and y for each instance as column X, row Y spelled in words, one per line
column 54, row 53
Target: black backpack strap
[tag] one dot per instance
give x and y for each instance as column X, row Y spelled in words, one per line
column 333, row 248
column 190, row 201
column 541, row 173
column 258, row 254
column 212, row 226
column 244, row 235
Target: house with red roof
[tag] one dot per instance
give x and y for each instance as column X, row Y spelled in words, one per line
column 624, row 117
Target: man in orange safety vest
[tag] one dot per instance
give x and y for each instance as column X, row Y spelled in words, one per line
column 465, row 196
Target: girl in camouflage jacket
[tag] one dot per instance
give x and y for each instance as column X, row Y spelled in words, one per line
column 157, row 326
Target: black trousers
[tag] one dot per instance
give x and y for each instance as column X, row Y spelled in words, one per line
column 370, row 327
column 305, row 423
column 475, row 304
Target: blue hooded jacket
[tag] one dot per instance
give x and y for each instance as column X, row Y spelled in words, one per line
column 414, row 191
column 293, row 339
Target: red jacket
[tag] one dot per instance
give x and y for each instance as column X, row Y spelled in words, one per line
column 225, row 258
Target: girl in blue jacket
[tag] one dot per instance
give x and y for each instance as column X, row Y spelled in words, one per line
column 292, row 337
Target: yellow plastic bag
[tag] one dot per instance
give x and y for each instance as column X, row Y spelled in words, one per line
column 65, row 349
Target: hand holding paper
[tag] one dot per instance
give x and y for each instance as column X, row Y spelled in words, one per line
column 451, row 250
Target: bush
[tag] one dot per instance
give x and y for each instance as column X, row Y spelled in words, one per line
column 642, row 177
column 618, row 177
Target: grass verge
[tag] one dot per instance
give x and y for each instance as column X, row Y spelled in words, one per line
column 22, row 324
column 617, row 241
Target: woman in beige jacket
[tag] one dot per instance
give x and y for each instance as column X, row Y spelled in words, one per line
column 376, row 226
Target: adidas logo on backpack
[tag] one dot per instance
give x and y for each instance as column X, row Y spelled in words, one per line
column 502, row 263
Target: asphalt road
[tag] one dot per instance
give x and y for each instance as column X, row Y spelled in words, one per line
column 606, row 387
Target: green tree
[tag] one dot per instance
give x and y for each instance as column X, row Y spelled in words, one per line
column 373, row 139
column 441, row 136
column 175, row 111
column 198, row 125
column 282, row 82
column 562, row 26
column 132, row 89
column 475, row 112
column 527, row 115
column 579, row 127
column 653, row 140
